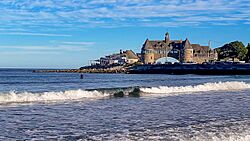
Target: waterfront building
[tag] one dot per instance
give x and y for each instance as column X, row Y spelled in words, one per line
column 131, row 57
column 122, row 58
column 183, row 51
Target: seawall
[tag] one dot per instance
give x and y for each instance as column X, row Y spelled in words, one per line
column 202, row 69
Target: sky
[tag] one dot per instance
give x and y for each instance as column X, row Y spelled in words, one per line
column 70, row 33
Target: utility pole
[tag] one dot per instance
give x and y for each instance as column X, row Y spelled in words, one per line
column 179, row 52
column 209, row 45
column 166, row 56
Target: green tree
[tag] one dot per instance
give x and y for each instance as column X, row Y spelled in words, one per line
column 234, row 49
column 248, row 52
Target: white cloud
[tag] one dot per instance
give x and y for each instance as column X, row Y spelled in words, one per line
column 79, row 43
column 29, row 53
column 31, row 48
column 113, row 13
column 59, row 47
column 35, row 34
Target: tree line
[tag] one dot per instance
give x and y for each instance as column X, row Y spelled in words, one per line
column 234, row 49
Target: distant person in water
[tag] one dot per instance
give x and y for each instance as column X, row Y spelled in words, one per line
column 81, row 76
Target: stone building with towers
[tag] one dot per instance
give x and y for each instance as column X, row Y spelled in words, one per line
column 182, row 50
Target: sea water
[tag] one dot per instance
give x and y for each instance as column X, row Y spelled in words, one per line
column 61, row 106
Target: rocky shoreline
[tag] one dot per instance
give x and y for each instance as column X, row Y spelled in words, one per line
column 201, row 69
column 87, row 70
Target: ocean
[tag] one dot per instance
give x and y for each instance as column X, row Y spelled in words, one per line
column 61, row 106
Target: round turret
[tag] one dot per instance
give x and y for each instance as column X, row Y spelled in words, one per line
column 148, row 53
column 148, row 57
column 188, row 55
column 187, row 52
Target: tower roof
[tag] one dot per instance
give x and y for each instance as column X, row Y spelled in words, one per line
column 147, row 45
column 131, row 55
column 187, row 44
column 167, row 37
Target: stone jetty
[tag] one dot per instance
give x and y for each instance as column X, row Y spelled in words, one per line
column 84, row 70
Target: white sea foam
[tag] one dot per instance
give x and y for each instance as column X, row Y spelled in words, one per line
column 220, row 86
column 217, row 136
column 234, row 137
column 238, row 131
column 26, row 97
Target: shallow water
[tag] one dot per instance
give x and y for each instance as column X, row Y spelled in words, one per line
column 43, row 106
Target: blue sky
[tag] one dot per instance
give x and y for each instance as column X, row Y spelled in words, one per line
column 69, row 33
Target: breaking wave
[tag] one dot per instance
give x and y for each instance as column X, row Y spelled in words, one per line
column 220, row 86
column 26, row 97
column 29, row 97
